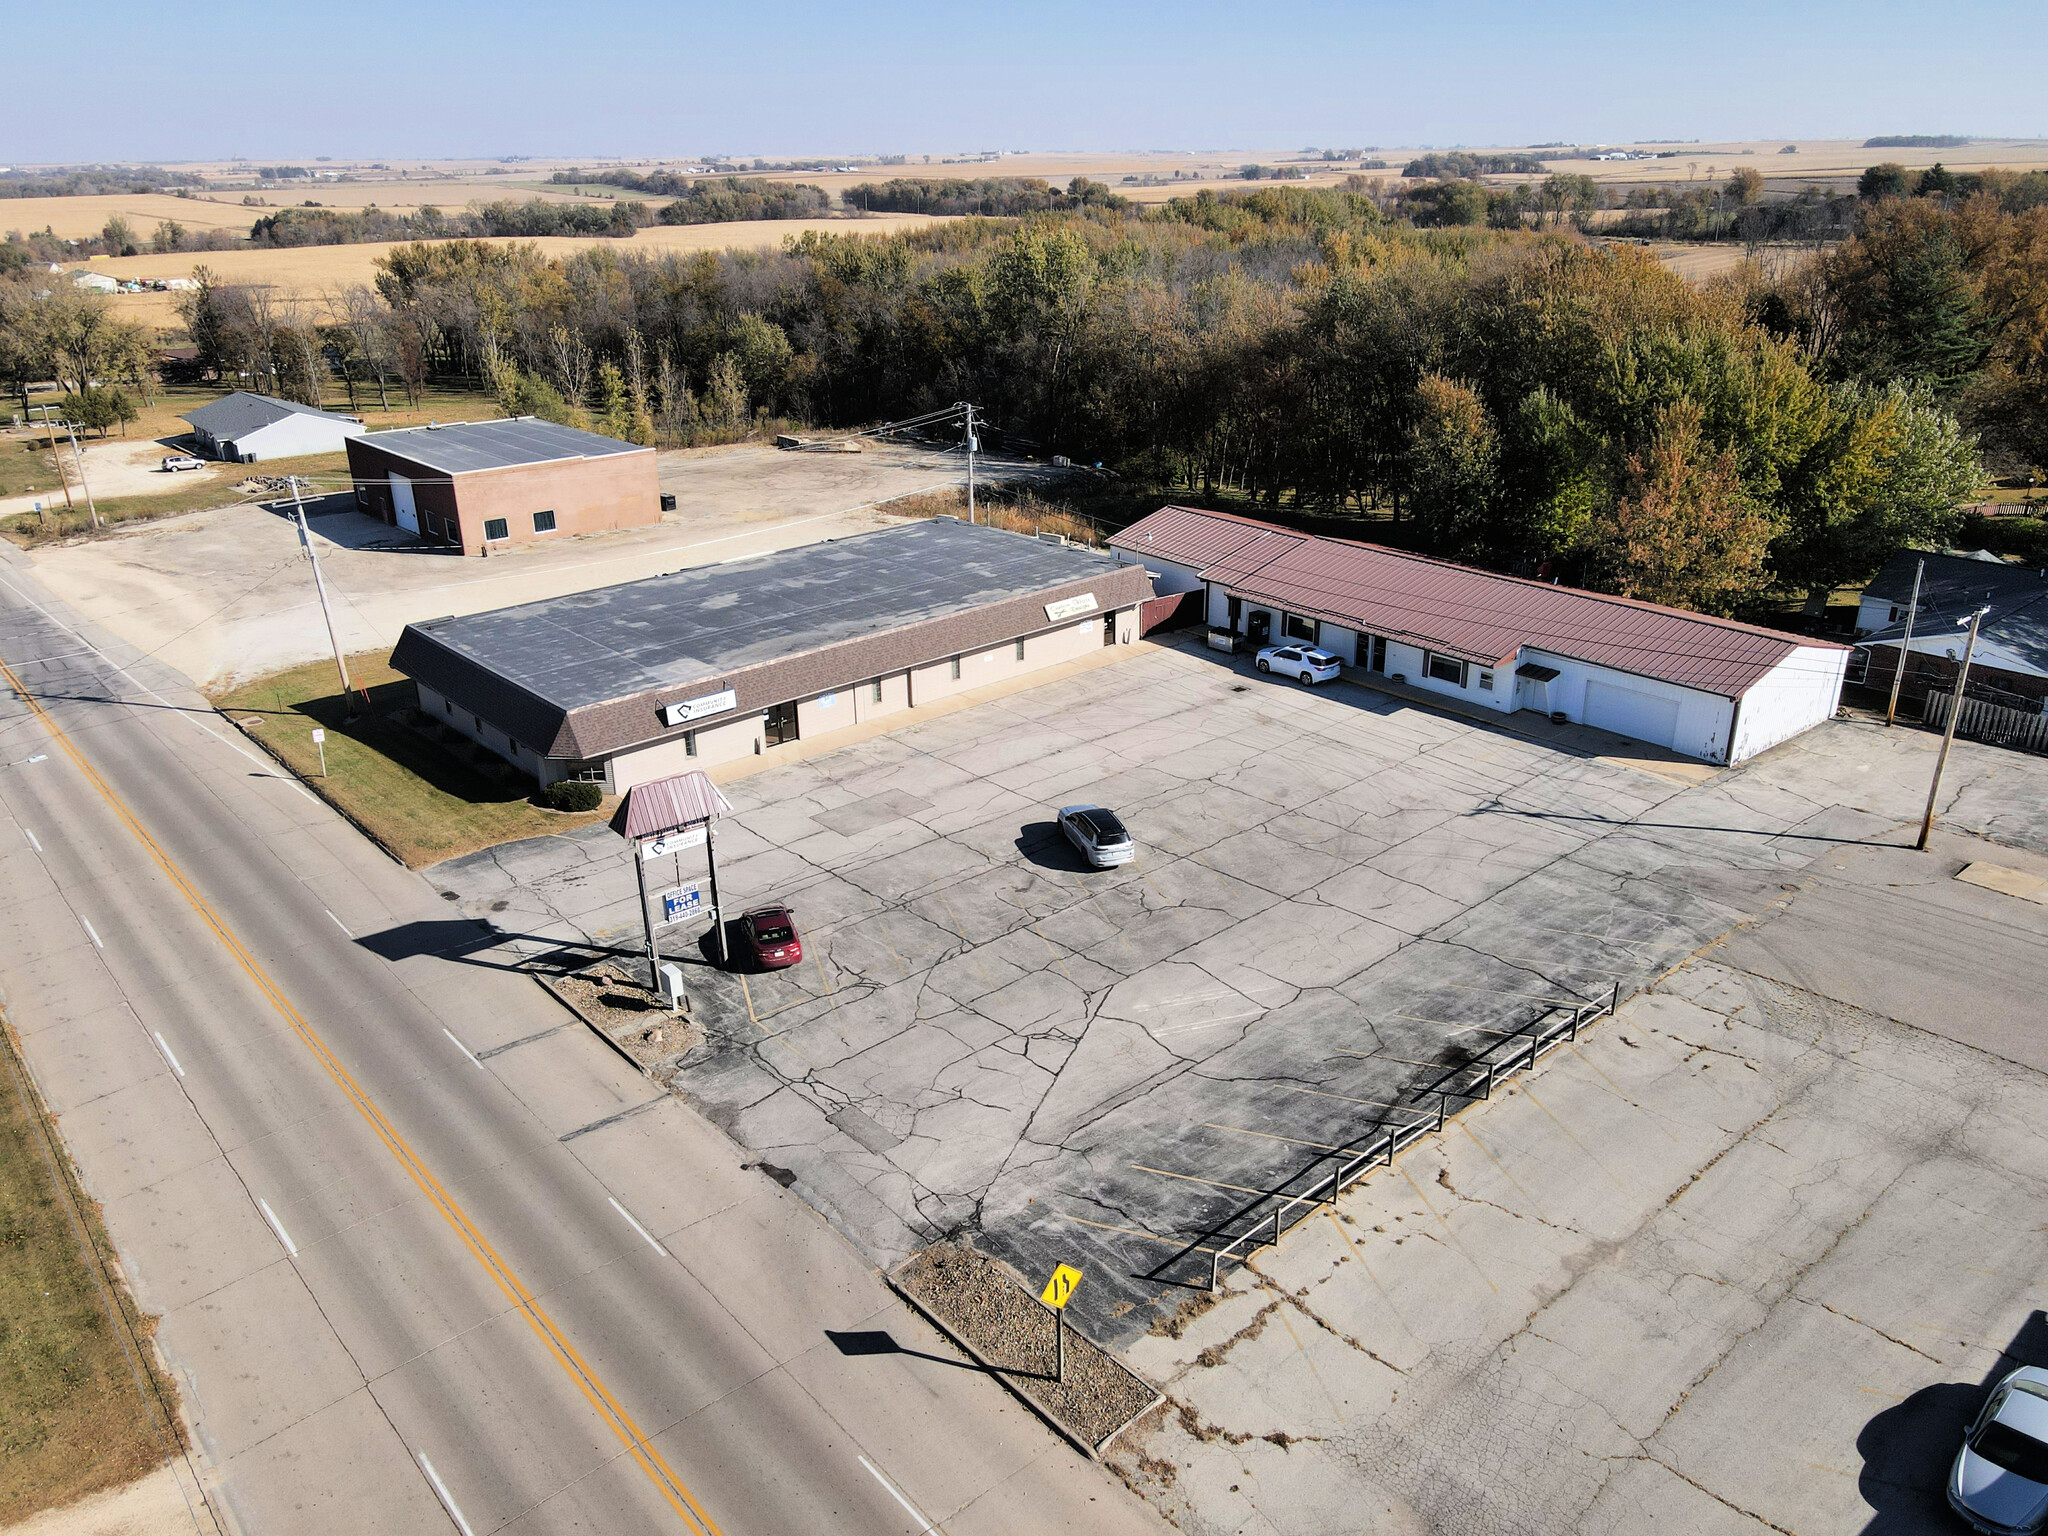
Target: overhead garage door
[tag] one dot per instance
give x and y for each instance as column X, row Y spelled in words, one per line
column 1626, row 712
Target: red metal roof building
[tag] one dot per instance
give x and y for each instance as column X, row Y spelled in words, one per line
column 1704, row 686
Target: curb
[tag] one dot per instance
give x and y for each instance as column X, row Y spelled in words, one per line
column 591, row 1025
column 313, row 789
column 1059, row 1426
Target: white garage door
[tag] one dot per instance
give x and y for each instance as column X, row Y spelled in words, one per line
column 1626, row 712
column 402, row 504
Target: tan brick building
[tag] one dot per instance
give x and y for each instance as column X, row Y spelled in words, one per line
column 485, row 484
column 748, row 659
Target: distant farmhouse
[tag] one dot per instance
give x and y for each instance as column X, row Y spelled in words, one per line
column 243, row 428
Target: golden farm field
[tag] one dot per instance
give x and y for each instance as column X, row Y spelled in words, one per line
column 313, row 271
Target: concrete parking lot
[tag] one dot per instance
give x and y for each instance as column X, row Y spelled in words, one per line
column 1337, row 893
column 1745, row 1259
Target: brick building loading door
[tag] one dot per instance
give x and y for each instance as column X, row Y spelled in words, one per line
column 402, row 504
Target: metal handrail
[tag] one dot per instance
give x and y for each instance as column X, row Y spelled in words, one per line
column 1514, row 1053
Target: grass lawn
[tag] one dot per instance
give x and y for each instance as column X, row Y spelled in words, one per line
column 423, row 799
column 74, row 1417
column 327, row 471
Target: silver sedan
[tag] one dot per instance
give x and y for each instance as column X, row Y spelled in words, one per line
column 2000, row 1480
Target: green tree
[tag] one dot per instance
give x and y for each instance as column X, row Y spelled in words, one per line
column 1684, row 531
column 169, row 237
column 725, row 402
column 1895, row 470
column 1889, row 179
column 1909, row 302
column 1454, row 468
column 119, row 237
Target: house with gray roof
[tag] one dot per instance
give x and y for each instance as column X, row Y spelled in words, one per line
column 245, row 428
column 2010, row 665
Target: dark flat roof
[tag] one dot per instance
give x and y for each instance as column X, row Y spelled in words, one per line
column 461, row 446
column 709, row 621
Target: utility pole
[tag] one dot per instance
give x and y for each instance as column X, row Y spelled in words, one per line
column 1948, row 736
column 1891, row 710
column 56, row 457
column 78, row 454
column 348, row 688
column 970, row 461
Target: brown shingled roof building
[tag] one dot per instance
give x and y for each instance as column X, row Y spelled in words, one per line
column 742, row 660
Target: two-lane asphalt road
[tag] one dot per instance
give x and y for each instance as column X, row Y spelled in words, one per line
column 427, row 1254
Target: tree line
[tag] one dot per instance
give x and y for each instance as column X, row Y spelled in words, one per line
column 1510, row 397
column 984, row 197
column 1515, row 397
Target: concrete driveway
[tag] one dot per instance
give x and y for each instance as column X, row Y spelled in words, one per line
column 224, row 596
column 1337, row 893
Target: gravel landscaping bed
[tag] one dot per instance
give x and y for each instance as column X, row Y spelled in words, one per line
column 979, row 1302
column 634, row 1020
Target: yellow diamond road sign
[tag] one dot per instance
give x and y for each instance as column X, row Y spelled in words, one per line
column 1059, row 1290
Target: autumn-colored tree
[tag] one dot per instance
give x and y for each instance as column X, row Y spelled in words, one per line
column 1746, row 186
column 1684, row 532
column 1454, row 467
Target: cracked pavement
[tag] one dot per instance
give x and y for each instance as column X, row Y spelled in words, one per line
column 1746, row 1258
column 1336, row 894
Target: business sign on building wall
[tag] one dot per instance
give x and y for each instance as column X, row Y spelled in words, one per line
column 697, row 709
column 1070, row 607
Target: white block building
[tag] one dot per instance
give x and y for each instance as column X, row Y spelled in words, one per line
column 244, row 428
column 1705, row 687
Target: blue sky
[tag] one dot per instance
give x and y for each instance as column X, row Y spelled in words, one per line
column 378, row 79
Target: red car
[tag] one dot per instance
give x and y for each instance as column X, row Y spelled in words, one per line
column 768, row 939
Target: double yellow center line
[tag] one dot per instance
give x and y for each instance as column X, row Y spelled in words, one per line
column 565, row 1354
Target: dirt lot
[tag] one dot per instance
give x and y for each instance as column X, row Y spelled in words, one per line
column 225, row 596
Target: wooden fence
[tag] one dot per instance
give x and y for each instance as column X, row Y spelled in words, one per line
column 1994, row 724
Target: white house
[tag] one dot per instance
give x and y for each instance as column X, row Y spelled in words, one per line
column 1705, row 687
column 243, row 428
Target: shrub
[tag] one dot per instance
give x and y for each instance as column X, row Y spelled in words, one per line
column 572, row 795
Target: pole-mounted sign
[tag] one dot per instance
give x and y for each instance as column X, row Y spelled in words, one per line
column 1059, row 1290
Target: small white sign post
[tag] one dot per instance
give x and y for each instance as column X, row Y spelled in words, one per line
column 320, row 741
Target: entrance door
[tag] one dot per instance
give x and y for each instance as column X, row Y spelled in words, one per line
column 401, row 504
column 1109, row 629
column 1260, row 627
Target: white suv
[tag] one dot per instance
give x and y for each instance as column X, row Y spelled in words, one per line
column 173, row 462
column 1303, row 661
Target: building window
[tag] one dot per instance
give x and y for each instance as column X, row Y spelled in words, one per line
column 956, row 669
column 496, row 528
column 478, row 722
column 1446, row 669
column 877, row 686
column 512, row 746
column 1379, row 653
column 778, row 724
column 1020, row 650
column 588, row 773
column 362, row 496
column 1295, row 627
column 544, row 522
column 689, row 743
column 1486, row 681
column 432, row 526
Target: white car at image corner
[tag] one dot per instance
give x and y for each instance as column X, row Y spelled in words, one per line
column 173, row 462
column 1302, row 661
column 2000, row 1480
